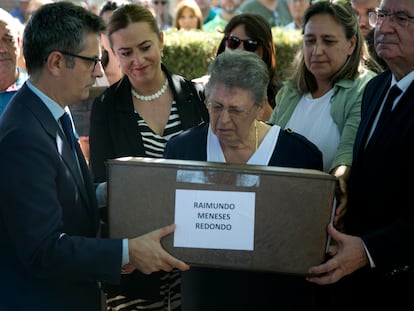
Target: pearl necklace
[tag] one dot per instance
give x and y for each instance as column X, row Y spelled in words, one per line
column 150, row 97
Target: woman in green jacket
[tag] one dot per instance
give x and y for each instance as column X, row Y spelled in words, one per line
column 322, row 99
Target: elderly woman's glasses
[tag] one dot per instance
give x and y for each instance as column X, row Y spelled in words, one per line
column 233, row 42
column 399, row 18
column 95, row 59
column 235, row 112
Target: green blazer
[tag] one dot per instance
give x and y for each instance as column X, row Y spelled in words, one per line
column 345, row 111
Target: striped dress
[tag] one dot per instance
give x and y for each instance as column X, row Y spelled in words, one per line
column 154, row 144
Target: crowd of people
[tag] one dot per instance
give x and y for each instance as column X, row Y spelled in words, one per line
column 336, row 112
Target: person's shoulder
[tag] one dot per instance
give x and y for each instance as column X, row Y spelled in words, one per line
column 298, row 141
column 257, row 7
column 289, row 26
column 370, row 78
column 350, row 85
column 211, row 14
column 295, row 150
column 191, row 134
column 216, row 24
column 182, row 85
column 287, row 91
column 367, row 75
column 108, row 93
column 249, row 4
column 386, row 74
column 187, row 143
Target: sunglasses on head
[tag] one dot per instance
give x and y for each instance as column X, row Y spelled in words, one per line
column 233, row 42
column 159, row 2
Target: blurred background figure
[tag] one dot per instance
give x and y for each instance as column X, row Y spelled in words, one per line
column 162, row 13
column 146, row 4
column 251, row 32
column 110, row 64
column 21, row 12
column 12, row 76
column 34, row 5
column 188, row 16
column 228, row 9
column 207, row 10
column 362, row 9
column 296, row 9
column 274, row 11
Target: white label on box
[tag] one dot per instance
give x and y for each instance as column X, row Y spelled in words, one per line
column 214, row 219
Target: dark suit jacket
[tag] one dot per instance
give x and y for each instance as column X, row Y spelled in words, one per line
column 113, row 128
column 49, row 258
column 380, row 207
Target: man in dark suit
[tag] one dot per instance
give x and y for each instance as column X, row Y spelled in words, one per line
column 50, row 258
column 373, row 265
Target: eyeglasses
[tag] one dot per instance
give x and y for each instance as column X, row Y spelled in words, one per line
column 377, row 18
column 95, row 59
column 234, row 112
column 159, row 2
column 233, row 42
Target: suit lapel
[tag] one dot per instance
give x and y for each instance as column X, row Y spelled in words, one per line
column 393, row 124
column 38, row 108
column 70, row 161
column 87, row 189
column 373, row 99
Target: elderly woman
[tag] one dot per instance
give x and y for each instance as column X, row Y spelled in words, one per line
column 235, row 98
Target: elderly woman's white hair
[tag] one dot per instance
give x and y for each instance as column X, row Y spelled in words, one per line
column 240, row 69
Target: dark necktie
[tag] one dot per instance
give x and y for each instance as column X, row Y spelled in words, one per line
column 68, row 129
column 66, row 122
column 394, row 92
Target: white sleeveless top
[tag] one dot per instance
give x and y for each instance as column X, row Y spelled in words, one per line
column 312, row 119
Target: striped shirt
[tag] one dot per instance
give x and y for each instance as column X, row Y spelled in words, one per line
column 154, row 144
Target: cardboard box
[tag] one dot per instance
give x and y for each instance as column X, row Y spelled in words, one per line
column 228, row 216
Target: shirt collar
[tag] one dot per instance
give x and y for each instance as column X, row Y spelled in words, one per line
column 53, row 107
column 404, row 83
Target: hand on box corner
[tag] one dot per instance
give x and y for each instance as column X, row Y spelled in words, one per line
column 342, row 174
column 147, row 254
column 127, row 269
column 340, row 209
column 84, row 145
column 350, row 256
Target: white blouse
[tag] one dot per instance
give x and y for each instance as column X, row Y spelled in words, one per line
column 312, row 119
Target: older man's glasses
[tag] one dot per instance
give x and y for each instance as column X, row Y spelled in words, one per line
column 233, row 112
column 401, row 19
column 233, row 42
column 95, row 60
